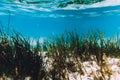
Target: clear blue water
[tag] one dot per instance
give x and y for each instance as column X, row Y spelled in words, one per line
column 43, row 21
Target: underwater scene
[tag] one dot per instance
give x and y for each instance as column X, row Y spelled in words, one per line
column 60, row 40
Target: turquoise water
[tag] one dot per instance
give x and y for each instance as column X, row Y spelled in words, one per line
column 39, row 20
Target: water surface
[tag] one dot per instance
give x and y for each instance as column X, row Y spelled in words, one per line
column 38, row 20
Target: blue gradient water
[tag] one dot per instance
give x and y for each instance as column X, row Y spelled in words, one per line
column 36, row 21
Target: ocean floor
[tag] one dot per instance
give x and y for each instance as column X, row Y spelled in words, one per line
column 92, row 71
column 110, row 70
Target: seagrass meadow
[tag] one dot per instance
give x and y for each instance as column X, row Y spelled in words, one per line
column 59, row 39
column 59, row 59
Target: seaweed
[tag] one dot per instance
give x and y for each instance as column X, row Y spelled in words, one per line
column 65, row 54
